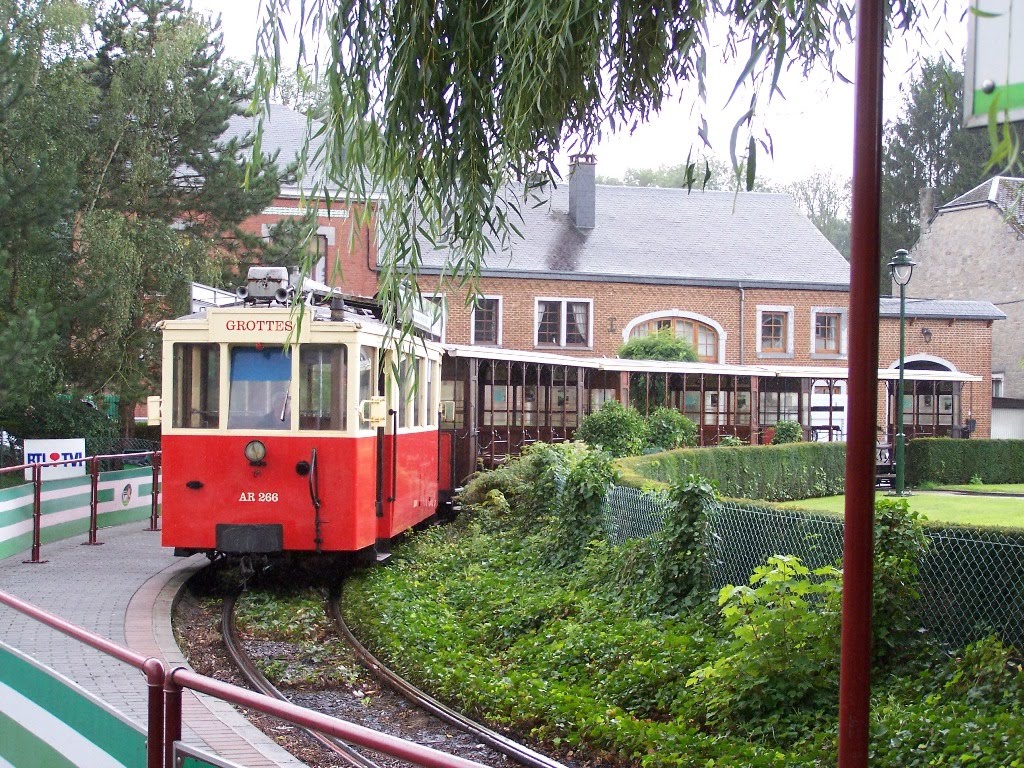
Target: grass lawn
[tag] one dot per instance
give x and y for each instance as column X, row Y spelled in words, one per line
column 1018, row 488
column 941, row 507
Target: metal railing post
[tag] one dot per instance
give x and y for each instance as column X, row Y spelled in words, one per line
column 155, row 463
column 37, row 513
column 155, row 675
column 94, row 499
column 172, row 716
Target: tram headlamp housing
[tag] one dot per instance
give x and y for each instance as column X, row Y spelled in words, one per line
column 255, row 452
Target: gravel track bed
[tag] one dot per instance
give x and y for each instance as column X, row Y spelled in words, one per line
column 361, row 699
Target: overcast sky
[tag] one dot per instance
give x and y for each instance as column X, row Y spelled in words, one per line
column 812, row 128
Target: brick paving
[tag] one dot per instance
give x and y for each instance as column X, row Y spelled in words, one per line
column 122, row 590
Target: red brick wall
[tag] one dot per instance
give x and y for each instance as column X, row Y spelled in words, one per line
column 617, row 304
column 966, row 344
column 352, row 258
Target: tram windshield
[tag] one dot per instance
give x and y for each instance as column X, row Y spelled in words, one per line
column 322, row 391
column 196, row 386
column 260, row 385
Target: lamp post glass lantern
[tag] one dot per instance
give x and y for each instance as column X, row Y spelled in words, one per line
column 902, row 268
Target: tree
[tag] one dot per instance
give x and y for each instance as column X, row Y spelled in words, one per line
column 825, row 200
column 115, row 190
column 926, row 146
column 45, row 104
column 707, row 173
column 663, row 345
column 439, row 107
column 162, row 196
column 647, row 392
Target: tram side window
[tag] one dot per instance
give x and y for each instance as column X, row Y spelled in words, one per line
column 367, row 379
column 196, row 386
column 323, row 371
column 260, row 388
column 408, row 393
column 427, row 373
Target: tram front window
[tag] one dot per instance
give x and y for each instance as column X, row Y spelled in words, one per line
column 260, row 386
column 322, row 377
column 196, row 386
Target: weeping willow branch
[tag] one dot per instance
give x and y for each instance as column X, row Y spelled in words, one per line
column 449, row 112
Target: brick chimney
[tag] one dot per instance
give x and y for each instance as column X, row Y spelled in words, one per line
column 581, row 191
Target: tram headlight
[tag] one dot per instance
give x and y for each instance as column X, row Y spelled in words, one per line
column 255, row 452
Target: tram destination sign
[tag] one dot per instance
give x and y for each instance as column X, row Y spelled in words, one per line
column 995, row 61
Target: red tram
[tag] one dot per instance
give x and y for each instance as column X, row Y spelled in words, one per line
column 287, row 432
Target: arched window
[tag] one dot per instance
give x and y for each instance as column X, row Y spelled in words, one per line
column 705, row 338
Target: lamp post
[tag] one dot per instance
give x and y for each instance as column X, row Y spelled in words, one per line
column 901, row 267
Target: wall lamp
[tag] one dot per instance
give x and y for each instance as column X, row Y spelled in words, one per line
column 927, row 333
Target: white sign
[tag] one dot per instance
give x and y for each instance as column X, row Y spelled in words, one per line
column 995, row 61
column 45, row 451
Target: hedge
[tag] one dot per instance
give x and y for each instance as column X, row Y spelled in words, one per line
column 768, row 472
column 955, row 462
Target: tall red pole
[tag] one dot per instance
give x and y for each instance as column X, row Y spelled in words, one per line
column 855, row 656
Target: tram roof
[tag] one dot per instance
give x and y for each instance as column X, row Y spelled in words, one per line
column 661, row 366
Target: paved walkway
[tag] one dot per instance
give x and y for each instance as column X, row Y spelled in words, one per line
column 122, row 590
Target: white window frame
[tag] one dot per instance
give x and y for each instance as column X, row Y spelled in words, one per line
column 537, row 314
column 1000, row 380
column 472, row 322
column 764, row 309
column 442, row 300
column 319, row 272
column 679, row 314
column 841, row 311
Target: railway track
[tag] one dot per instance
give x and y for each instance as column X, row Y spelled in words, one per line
column 519, row 753
column 350, row 755
column 256, row 679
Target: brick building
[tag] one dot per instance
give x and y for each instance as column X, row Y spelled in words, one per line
column 746, row 278
column 973, row 248
column 345, row 244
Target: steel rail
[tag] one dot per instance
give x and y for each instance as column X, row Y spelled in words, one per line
column 259, row 681
column 496, row 741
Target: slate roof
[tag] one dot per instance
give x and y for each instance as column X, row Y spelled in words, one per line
column 671, row 236
column 642, row 234
column 284, row 132
column 1004, row 192
column 889, row 306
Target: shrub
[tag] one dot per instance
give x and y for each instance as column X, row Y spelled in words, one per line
column 770, row 472
column 900, row 544
column 511, row 480
column 787, row 432
column 663, row 345
column 783, row 650
column 681, row 568
column 950, row 461
column 580, row 518
column 668, row 429
column 647, row 391
column 619, row 430
column 730, row 441
column 61, row 417
column 531, row 485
